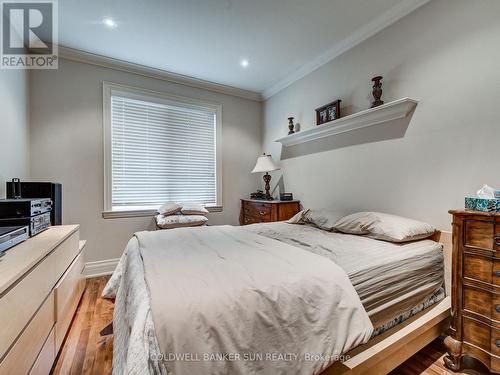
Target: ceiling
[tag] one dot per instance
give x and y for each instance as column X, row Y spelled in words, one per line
column 282, row 40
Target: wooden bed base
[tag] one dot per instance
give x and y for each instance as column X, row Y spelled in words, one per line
column 387, row 351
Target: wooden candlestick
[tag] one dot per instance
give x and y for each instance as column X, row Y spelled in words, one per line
column 377, row 91
column 290, row 125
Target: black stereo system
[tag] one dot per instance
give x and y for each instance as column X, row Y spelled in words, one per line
column 35, row 205
column 34, row 213
column 17, row 189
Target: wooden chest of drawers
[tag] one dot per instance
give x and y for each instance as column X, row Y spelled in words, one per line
column 262, row 211
column 41, row 282
column 475, row 325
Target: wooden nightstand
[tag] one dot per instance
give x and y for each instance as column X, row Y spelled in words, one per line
column 475, row 299
column 263, row 211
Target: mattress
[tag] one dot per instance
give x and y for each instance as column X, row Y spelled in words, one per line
column 391, row 279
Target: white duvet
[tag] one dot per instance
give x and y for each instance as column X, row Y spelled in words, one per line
column 227, row 301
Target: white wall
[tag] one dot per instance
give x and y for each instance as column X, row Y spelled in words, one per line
column 446, row 55
column 14, row 126
column 66, row 144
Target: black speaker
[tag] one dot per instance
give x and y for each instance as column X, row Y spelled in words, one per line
column 41, row 190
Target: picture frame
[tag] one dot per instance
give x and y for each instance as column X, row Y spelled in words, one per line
column 328, row 112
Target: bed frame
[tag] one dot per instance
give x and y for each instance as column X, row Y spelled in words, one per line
column 387, row 351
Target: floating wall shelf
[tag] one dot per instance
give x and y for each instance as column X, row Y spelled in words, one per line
column 395, row 110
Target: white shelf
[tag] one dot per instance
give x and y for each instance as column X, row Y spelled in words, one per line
column 395, row 110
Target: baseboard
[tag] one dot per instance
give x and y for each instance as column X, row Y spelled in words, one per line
column 100, row 267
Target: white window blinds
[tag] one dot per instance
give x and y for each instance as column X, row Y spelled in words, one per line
column 161, row 152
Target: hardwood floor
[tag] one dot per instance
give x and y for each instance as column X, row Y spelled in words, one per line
column 86, row 352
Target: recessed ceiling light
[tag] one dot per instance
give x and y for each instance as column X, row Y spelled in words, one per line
column 244, row 63
column 109, row 22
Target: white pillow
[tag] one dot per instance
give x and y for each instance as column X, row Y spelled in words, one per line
column 178, row 221
column 169, row 208
column 321, row 218
column 194, row 209
column 385, row 227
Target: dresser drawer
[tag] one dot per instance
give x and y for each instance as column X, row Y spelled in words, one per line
column 66, row 252
column 479, row 268
column 478, row 334
column 477, row 301
column 482, row 234
column 482, row 302
column 23, row 354
column 67, row 295
column 21, row 302
column 257, row 209
column 254, row 220
column 46, row 358
column 495, row 342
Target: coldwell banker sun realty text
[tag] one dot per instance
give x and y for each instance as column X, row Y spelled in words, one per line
column 29, row 34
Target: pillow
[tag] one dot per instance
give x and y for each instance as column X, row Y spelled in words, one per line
column 321, row 218
column 169, row 208
column 385, row 227
column 178, row 221
column 298, row 218
column 194, row 209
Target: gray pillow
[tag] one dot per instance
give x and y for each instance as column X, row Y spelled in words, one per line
column 169, row 208
column 385, row 227
column 321, row 218
column 194, row 209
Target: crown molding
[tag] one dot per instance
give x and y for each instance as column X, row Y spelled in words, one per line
column 392, row 15
column 108, row 62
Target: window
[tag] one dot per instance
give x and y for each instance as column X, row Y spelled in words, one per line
column 158, row 148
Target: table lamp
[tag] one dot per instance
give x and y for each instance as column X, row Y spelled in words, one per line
column 265, row 163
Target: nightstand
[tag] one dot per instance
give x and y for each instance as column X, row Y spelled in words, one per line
column 264, row 211
column 475, row 295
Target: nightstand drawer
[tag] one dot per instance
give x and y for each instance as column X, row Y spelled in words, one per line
column 482, row 234
column 478, row 268
column 254, row 220
column 482, row 302
column 477, row 301
column 257, row 209
column 495, row 342
column 478, row 334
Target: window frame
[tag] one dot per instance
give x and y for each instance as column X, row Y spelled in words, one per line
column 108, row 90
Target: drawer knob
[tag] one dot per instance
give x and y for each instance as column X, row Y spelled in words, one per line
column 497, row 273
column 497, row 239
column 497, row 343
column 497, row 308
column 262, row 213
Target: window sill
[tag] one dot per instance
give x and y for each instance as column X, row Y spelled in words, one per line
column 116, row 214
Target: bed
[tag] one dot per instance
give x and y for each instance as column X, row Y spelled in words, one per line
column 397, row 290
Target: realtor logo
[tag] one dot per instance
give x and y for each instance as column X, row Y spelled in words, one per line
column 29, row 34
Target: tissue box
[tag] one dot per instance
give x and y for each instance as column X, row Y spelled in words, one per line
column 482, row 204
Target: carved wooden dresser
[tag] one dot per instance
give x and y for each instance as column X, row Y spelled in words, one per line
column 475, row 305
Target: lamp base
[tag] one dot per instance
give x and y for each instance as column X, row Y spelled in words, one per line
column 267, row 187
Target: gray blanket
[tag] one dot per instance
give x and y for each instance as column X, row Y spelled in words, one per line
column 228, row 301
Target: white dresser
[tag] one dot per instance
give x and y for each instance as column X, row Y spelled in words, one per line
column 41, row 283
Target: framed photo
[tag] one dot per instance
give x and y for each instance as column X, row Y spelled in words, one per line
column 328, row 112
column 323, row 115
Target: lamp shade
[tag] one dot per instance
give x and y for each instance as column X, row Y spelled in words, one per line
column 265, row 163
